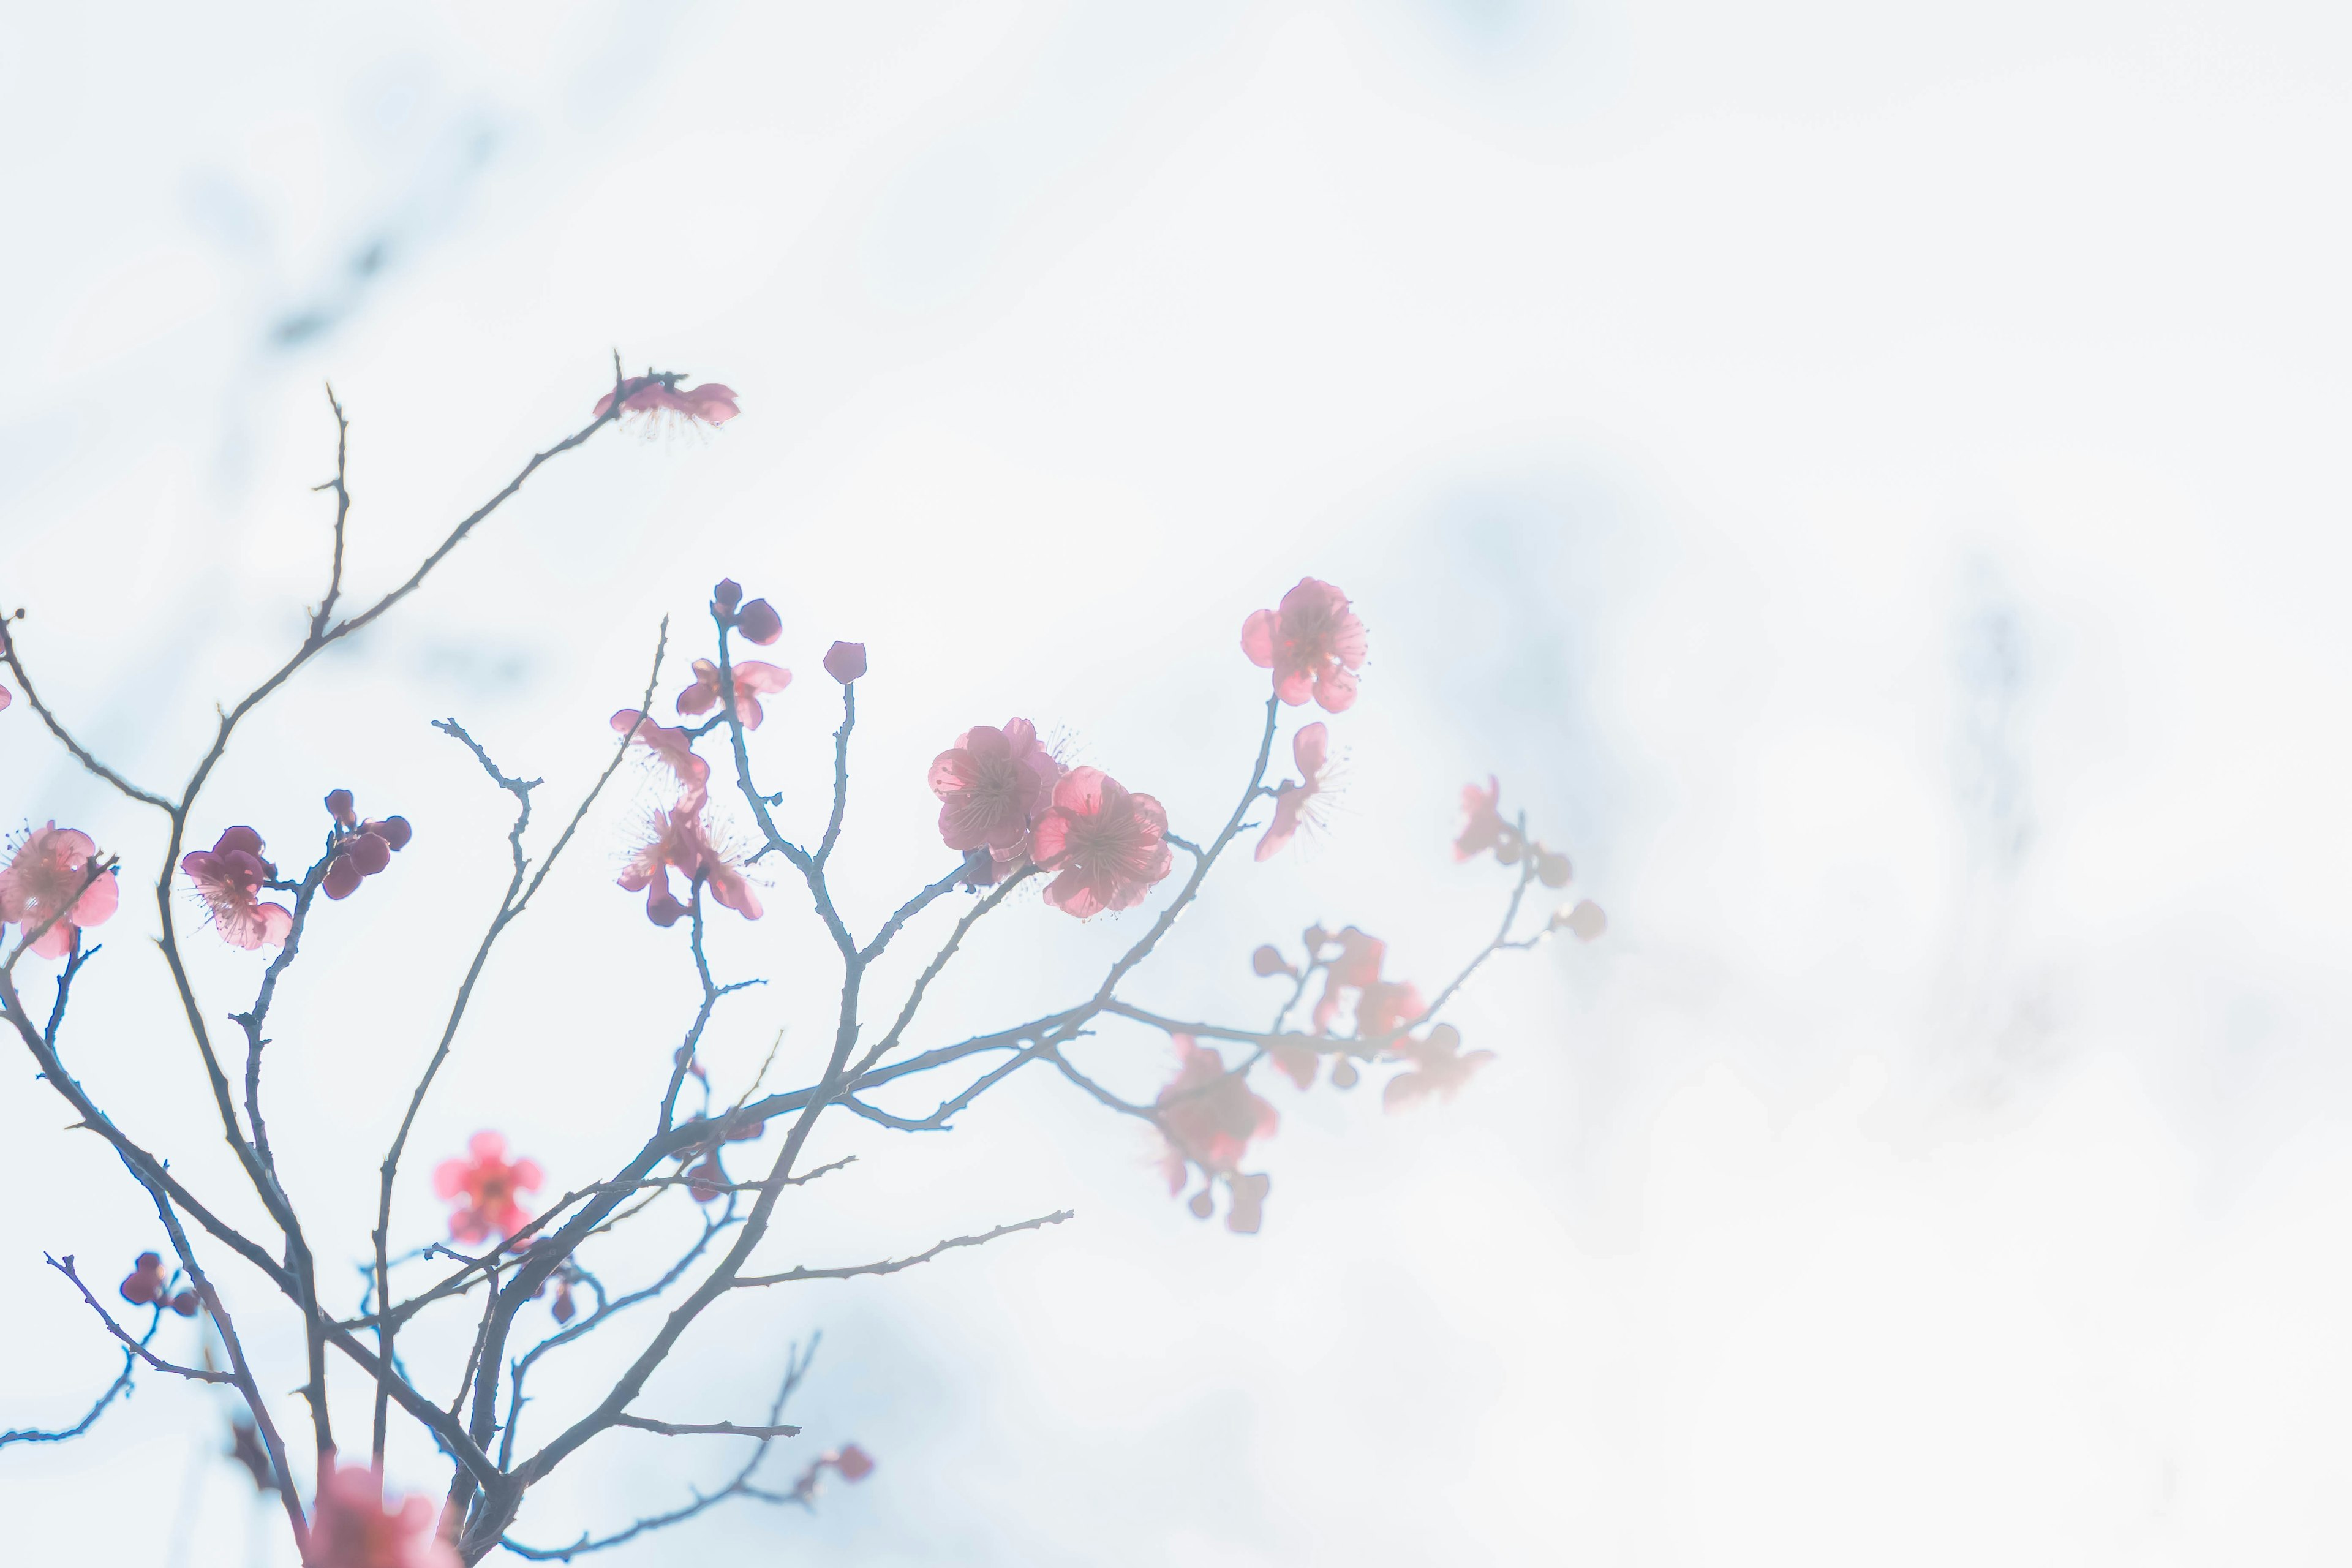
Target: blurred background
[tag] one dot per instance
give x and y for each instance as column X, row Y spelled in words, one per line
column 1868, row 479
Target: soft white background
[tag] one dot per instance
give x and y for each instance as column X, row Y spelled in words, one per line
column 1868, row 477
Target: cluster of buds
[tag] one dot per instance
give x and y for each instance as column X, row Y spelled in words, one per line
column 757, row 621
column 706, row 1179
column 1487, row 830
column 360, row 849
column 148, row 1287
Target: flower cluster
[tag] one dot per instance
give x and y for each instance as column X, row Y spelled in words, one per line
column 147, row 1287
column 1208, row 1117
column 1313, row 644
column 1385, row 1013
column 51, row 891
column 1483, row 828
column 352, row 1525
column 485, row 1186
column 655, row 396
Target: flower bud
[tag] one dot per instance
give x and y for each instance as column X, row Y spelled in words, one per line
column 393, row 830
column 1344, row 1074
column 1203, row 1206
column 760, row 622
column 845, row 661
column 1552, row 869
column 727, row 595
column 1585, row 923
column 852, row 1463
column 1314, row 937
column 184, row 1303
column 1268, row 960
column 339, row 808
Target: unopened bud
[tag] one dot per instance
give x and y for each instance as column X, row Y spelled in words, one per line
column 1586, row 922
column 1268, row 960
column 339, row 808
column 727, row 595
column 184, row 1303
column 845, row 661
column 760, row 622
column 1552, row 869
column 1203, row 1206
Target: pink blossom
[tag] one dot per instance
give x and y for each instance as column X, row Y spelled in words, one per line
column 485, row 1185
column 1110, row 845
column 1387, row 1004
column 1439, row 1069
column 1208, row 1115
column 1310, row 749
column 229, row 878
column 351, row 1526
column 1482, row 828
column 7, row 696
column 752, row 676
column 1297, row 1057
column 678, row 840
column 674, row 747
column 709, row 402
column 993, row 785
column 1313, row 644
column 845, row 661
column 1357, row 966
column 46, row 882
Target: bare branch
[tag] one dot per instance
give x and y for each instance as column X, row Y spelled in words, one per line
column 892, row 1265
column 712, row 1429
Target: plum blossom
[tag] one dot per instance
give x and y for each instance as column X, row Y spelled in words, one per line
column 758, row 620
column 361, row 855
column 1208, row 1115
column 1310, row 748
column 845, row 661
column 678, row 840
column 1482, row 828
column 352, row 1525
column 1109, row 844
column 993, row 785
column 47, row 882
column 229, row 879
column 1313, row 644
column 485, row 1185
column 751, row 677
column 1298, row 1058
column 674, row 748
column 1387, row 1004
column 1357, row 966
column 1439, row 1069
column 711, row 403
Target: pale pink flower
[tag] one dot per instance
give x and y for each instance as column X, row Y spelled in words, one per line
column 1208, row 1115
column 1109, row 845
column 1314, row 645
column 352, row 1526
column 993, row 785
column 752, row 676
column 229, row 878
column 1357, row 966
column 7, row 696
column 485, row 1184
column 678, row 840
column 711, row 403
column 1310, row 748
column 1482, row 828
column 674, row 747
column 1439, row 1069
column 47, row 881
column 1387, row 1004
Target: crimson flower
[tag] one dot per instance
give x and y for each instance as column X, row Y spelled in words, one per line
column 1109, row 845
column 485, row 1186
column 1208, row 1115
column 229, row 878
column 758, row 620
column 845, row 661
column 1313, row 644
column 674, row 747
column 676, row 840
column 46, row 882
column 993, row 785
column 752, row 676
column 1439, row 1069
column 362, row 855
column 711, row 403
column 352, row 1526
column 1310, row 748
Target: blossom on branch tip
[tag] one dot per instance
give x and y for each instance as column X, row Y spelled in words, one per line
column 361, row 855
column 1310, row 748
column 47, row 882
column 709, row 404
column 751, row 677
column 1484, row 827
column 993, row 785
column 229, row 879
column 758, row 620
column 678, row 840
column 845, row 661
column 1109, row 844
column 352, row 1525
column 1439, row 1069
column 1313, row 644
column 674, row 747
column 485, row 1184
column 1208, row 1115
column 850, row 1462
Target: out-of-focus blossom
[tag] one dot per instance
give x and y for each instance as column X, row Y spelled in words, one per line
column 354, row 1525
column 359, row 856
column 674, row 747
column 7, row 696
column 850, row 1462
column 229, row 879
column 1482, row 828
column 47, row 881
column 1310, row 748
column 1246, row 1212
column 709, row 404
column 1313, row 644
column 1297, row 1057
column 993, row 785
column 707, row 1179
column 751, row 677
column 485, row 1184
column 1387, row 1004
column 1585, row 923
column 1439, row 1069
column 145, row 1286
column 343, row 808
column 678, row 840
column 845, row 661
column 1109, row 844
column 1357, row 966
column 1552, row 867
column 1208, row 1115
column 1268, row 960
